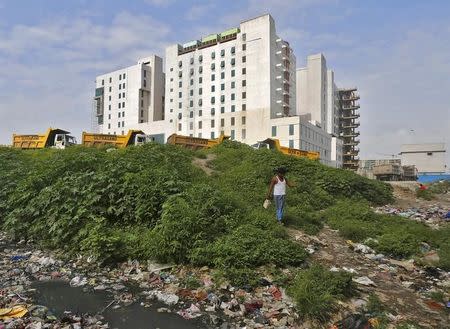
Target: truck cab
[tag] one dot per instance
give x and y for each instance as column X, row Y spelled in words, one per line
column 64, row 140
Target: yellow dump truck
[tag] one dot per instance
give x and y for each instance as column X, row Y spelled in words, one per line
column 195, row 143
column 274, row 144
column 54, row 138
column 134, row 137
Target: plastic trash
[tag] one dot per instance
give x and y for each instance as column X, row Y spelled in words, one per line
column 266, row 204
column 14, row 312
column 364, row 280
column 18, row 258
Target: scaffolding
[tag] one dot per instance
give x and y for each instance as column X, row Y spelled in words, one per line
column 349, row 126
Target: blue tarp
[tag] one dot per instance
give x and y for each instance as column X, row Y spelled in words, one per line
column 430, row 178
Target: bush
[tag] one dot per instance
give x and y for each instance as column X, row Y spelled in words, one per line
column 316, row 291
column 425, row 194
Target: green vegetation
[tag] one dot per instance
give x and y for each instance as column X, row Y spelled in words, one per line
column 316, row 291
column 396, row 236
column 425, row 194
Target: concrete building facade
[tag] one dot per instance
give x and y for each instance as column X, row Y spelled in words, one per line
column 128, row 97
column 428, row 158
column 240, row 82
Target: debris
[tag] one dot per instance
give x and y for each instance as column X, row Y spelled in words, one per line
column 364, row 280
column 276, row 293
column 14, row 312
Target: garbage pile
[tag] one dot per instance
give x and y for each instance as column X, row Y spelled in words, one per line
column 434, row 215
column 216, row 305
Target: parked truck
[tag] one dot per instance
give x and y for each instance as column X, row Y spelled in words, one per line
column 195, row 143
column 54, row 138
column 134, row 137
column 274, row 144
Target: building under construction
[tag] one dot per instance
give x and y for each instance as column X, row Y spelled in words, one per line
column 349, row 126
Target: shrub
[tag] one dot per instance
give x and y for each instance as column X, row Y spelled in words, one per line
column 425, row 194
column 316, row 291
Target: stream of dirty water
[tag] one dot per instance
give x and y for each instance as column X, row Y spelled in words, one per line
column 58, row 296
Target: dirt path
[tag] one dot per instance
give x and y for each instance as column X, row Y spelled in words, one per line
column 391, row 285
column 203, row 164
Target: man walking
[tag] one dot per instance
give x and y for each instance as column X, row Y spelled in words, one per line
column 278, row 188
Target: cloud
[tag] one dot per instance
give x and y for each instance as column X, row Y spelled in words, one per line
column 159, row 3
column 47, row 70
column 197, row 12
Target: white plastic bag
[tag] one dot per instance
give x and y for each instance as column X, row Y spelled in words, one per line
column 266, row 203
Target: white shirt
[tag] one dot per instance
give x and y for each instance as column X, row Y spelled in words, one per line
column 280, row 187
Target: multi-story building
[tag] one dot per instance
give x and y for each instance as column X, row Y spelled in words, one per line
column 240, row 82
column 129, row 97
column 349, row 126
column 429, row 158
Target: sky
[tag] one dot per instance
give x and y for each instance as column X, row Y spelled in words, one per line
column 396, row 52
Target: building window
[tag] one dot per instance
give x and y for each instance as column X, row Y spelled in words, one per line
column 243, row 120
column 200, row 102
column 142, row 103
column 291, row 143
column 213, row 88
column 222, row 64
column 213, row 66
column 123, row 104
column 274, row 131
column 200, row 58
column 233, row 73
column 199, row 125
column 171, row 100
column 291, row 130
column 180, row 105
column 180, row 84
column 145, row 83
column 110, row 80
column 200, row 91
column 212, row 123
column 244, row 95
column 244, row 46
column 244, row 59
column 110, row 98
column 233, row 84
column 222, row 98
column 103, row 82
column 244, row 83
column 222, row 75
column 180, row 74
column 109, row 126
column 213, row 55
column 171, row 69
column 213, row 111
column 192, row 60
column 200, row 80
column 191, row 114
column 191, row 71
column 145, row 73
column 222, row 86
column 232, row 97
column 200, row 113
column 179, row 126
column 199, row 135
column 232, row 121
column 222, row 122
column 109, row 107
column 213, row 135
column 244, row 36
column 233, row 108
column 142, row 113
column 243, row 133
column 180, row 64
column 200, row 69
column 244, row 71
column 109, row 116
column 233, row 50
column 110, row 89
column 191, row 103
column 213, row 100
column 232, row 135
column 123, row 85
column 222, row 52
column 429, row 153
column 119, row 105
column 180, row 116
column 118, row 124
column 180, row 94
column 191, row 92
column 213, row 77
column 123, row 114
column 123, row 95
column 192, row 82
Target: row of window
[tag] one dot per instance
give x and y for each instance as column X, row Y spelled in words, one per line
column 213, row 76
column 213, row 110
column 291, row 130
column 222, row 122
column 120, row 114
column 213, row 99
column 121, row 76
column 119, row 124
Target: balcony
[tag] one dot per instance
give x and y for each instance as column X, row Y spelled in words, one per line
column 352, row 97
column 350, row 125
column 349, row 117
column 350, row 134
column 350, row 107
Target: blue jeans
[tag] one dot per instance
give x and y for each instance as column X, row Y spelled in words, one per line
column 279, row 204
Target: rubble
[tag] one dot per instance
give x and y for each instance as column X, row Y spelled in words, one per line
column 433, row 215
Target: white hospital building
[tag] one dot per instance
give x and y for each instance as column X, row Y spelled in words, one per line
column 242, row 82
